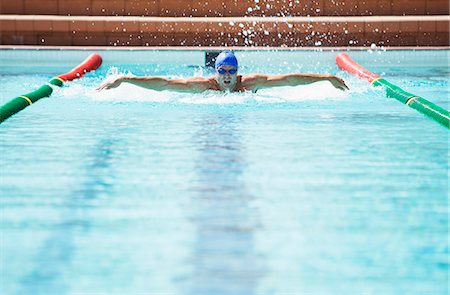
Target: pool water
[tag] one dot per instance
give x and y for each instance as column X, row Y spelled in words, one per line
column 295, row 190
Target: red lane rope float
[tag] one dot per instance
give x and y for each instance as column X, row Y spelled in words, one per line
column 17, row 104
column 91, row 63
column 347, row 64
column 433, row 111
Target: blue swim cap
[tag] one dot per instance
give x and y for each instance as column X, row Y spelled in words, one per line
column 226, row 58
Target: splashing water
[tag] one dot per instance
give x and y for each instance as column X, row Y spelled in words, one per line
column 319, row 91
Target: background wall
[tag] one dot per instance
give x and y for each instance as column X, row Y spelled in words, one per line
column 225, row 23
column 226, row 8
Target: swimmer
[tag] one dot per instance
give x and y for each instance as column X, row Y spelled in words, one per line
column 226, row 79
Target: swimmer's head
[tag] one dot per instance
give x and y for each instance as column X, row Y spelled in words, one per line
column 226, row 58
column 226, row 70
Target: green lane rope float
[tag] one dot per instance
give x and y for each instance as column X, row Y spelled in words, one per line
column 418, row 103
column 17, row 104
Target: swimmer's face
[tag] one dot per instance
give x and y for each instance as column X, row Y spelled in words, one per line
column 227, row 81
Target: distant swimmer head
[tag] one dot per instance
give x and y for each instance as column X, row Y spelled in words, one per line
column 226, row 58
column 226, row 70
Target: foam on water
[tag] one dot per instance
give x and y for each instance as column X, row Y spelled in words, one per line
column 318, row 91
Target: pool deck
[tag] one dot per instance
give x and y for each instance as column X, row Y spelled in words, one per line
column 216, row 48
column 218, row 23
column 317, row 31
column 218, row 8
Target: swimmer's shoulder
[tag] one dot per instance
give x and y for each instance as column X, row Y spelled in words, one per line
column 198, row 83
column 251, row 82
column 253, row 79
column 211, row 83
column 200, row 79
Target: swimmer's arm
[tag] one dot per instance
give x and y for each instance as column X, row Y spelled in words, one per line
column 160, row 83
column 267, row 81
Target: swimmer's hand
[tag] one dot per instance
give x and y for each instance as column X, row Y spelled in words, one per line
column 110, row 84
column 338, row 83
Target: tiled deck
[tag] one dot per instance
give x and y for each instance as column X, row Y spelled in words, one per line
column 225, row 8
column 225, row 31
column 262, row 23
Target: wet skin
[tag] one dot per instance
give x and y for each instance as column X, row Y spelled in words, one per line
column 225, row 82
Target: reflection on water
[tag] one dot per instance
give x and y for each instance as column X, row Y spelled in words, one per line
column 224, row 257
column 55, row 256
column 249, row 198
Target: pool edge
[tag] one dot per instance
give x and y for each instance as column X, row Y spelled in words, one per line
column 203, row 48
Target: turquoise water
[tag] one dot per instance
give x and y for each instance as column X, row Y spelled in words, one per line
column 303, row 190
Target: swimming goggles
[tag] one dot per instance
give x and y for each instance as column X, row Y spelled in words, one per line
column 222, row 71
